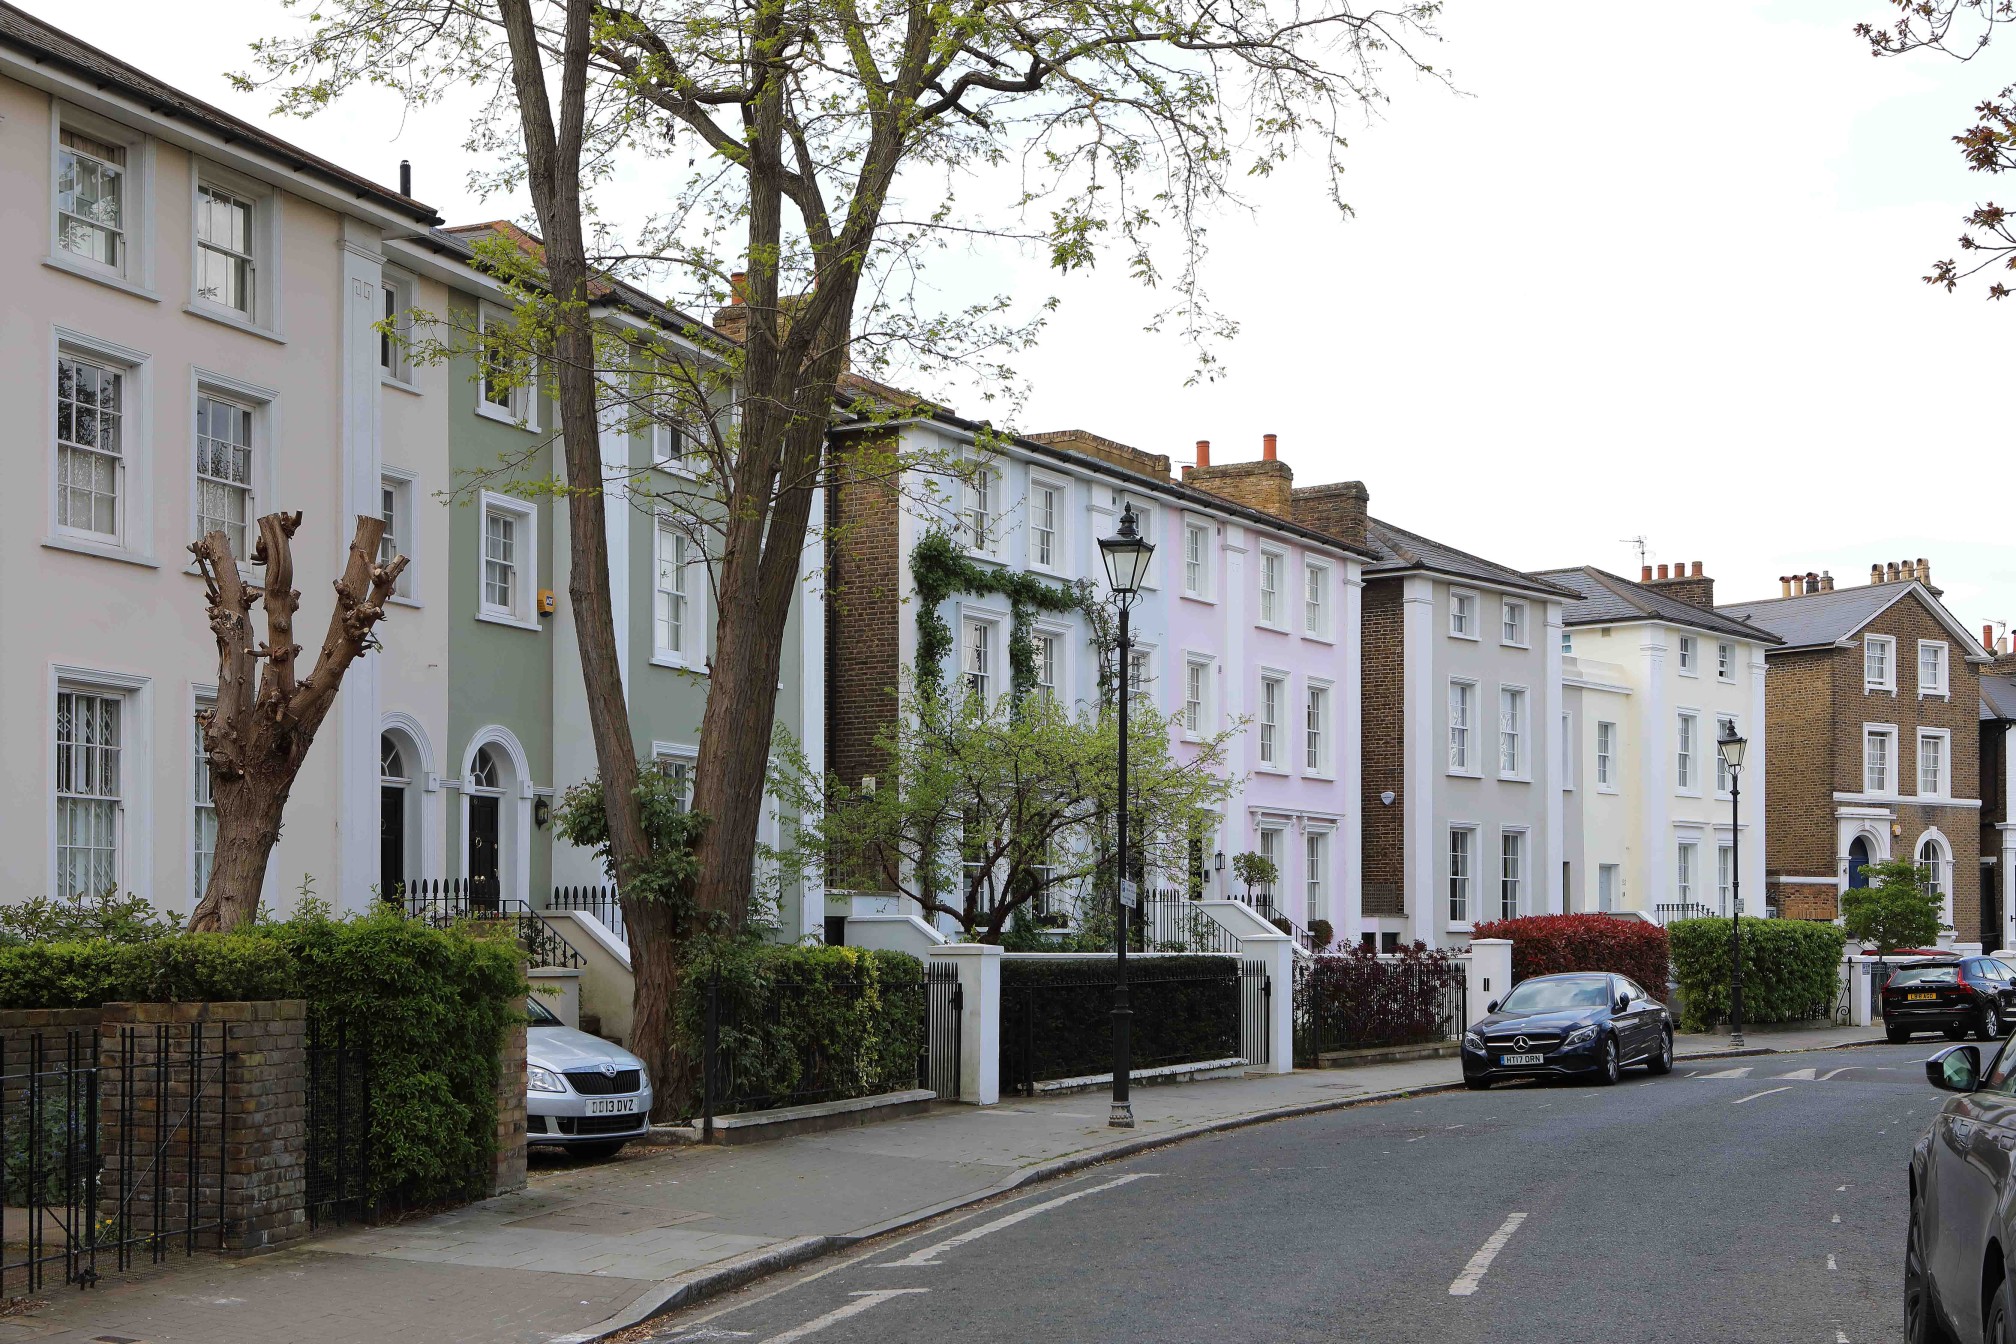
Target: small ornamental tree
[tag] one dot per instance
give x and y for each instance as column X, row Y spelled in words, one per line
column 1897, row 909
column 1254, row 870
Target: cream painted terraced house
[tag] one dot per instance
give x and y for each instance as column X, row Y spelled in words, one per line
column 1651, row 677
column 190, row 343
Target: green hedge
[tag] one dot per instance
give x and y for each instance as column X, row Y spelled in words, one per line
column 1791, row 969
column 429, row 1006
column 799, row 1024
column 1059, row 1009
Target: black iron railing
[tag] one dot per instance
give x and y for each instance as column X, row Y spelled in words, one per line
column 602, row 902
column 1056, row 1014
column 1169, row 921
column 1263, row 905
column 445, row 901
column 339, row 1185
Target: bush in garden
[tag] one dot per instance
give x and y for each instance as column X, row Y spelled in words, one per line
column 1358, row 998
column 1899, row 907
column 1791, row 969
column 1552, row 944
column 1321, row 933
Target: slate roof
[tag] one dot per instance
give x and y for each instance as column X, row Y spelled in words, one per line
column 1397, row 551
column 459, row 240
column 46, row 45
column 1812, row 620
column 1998, row 697
column 1607, row 597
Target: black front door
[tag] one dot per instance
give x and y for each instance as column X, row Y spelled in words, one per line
column 1858, row 859
column 482, row 852
column 391, row 842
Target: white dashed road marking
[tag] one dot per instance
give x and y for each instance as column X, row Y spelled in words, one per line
column 1473, row 1273
column 928, row 1255
column 1802, row 1075
column 1830, row 1262
column 1754, row 1095
column 873, row 1297
column 1743, row 1072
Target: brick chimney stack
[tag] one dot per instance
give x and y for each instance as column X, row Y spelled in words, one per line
column 733, row 320
column 1695, row 588
column 1267, row 485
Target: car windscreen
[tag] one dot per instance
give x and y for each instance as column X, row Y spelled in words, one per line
column 1549, row 996
column 1926, row 975
column 541, row 1015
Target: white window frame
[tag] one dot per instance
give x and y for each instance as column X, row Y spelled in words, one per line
column 135, row 273
column 1197, row 576
column 1463, row 750
column 1687, row 752
column 262, row 318
column 1567, row 745
column 1316, row 580
column 1273, row 563
column 1521, row 880
column 1943, row 786
column 1608, row 879
column 1606, row 756
column 1941, row 864
column 136, row 773
column 264, row 403
column 1316, row 875
column 1722, row 766
column 679, row 759
column 405, row 532
column 1318, row 708
column 1888, row 732
column 523, row 613
column 1267, row 843
column 689, row 593
column 1270, row 721
column 984, row 633
column 980, row 508
column 1512, row 623
column 523, row 408
column 134, row 537
column 1689, row 656
column 1199, row 674
column 200, row 800
column 1725, row 872
column 1521, row 732
column 1459, row 889
column 1463, row 608
column 397, row 291
column 1686, row 870
column 1054, row 665
column 1725, row 660
column 1942, row 689
column 1888, row 680
column 1141, row 673
column 1059, row 523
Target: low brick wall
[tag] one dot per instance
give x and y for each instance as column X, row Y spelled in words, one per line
column 508, row 1171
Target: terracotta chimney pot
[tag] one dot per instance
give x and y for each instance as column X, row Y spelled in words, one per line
column 1644, row 573
column 1203, row 452
column 1826, row 581
column 738, row 287
column 1697, row 569
column 1988, row 638
column 1662, row 571
column 1267, row 447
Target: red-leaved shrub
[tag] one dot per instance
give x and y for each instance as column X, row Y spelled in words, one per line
column 1550, row 944
column 1355, row 997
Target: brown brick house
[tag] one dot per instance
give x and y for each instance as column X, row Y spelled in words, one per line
column 1872, row 711
column 1998, row 798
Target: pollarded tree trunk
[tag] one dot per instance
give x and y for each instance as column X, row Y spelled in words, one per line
column 258, row 735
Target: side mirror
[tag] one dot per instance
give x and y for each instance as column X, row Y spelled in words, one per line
column 1623, row 1004
column 1957, row 1068
column 1491, row 1007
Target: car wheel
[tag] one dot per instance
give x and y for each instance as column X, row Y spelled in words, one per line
column 1662, row 1059
column 1919, row 1326
column 1989, row 1027
column 1897, row 1035
column 1611, row 1068
column 596, row 1152
column 2001, row 1317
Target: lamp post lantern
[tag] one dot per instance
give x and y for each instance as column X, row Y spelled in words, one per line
column 1731, row 747
column 1126, row 555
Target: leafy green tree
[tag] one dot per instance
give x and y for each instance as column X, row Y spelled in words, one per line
column 1897, row 909
column 1254, row 870
column 987, row 810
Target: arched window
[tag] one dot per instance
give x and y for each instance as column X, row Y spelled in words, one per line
column 483, row 773
column 1932, row 854
column 391, row 764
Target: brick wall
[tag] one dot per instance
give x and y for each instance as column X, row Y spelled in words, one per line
column 1383, row 746
column 1267, row 485
column 864, row 586
column 1337, row 509
column 1110, row 451
column 1800, row 836
column 508, row 1167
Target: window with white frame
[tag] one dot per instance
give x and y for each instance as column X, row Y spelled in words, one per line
column 1511, row 731
column 92, row 198
column 227, row 267
column 1684, row 877
column 1879, row 751
column 676, row 764
column 1046, row 522
column 506, row 374
column 1512, row 622
column 1934, row 778
column 1879, row 663
column 395, row 328
column 1141, row 676
column 1724, row 727
column 979, row 501
column 1725, row 877
column 1606, row 754
column 509, row 561
column 224, row 469
column 1567, row 751
column 90, row 798
column 1316, row 600
column 1196, row 560
column 1932, row 855
column 1931, row 667
column 395, row 506
column 1462, row 861
column 1048, row 648
column 1462, row 614
column 1725, row 660
column 1511, row 873
column 90, row 447
column 1196, row 697
column 203, row 808
column 1272, row 565
column 1316, row 875
column 978, row 663
column 1272, row 691
column 1316, row 731
column 1270, row 850
column 672, row 625
column 1607, row 878
column 1462, row 725
column 1689, row 657
column 1686, row 751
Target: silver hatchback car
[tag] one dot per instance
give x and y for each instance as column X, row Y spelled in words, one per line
column 581, row 1092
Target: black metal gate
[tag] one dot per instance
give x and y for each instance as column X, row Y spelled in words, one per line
column 944, row 1005
column 339, row 1125
column 1256, row 1013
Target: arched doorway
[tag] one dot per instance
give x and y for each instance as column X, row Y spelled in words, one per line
column 1858, row 862
column 395, row 777
column 486, row 798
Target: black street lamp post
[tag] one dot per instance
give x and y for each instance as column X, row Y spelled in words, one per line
column 1731, row 748
column 1126, row 556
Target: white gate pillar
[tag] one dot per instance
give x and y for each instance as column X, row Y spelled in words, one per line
column 1490, row 973
column 979, row 967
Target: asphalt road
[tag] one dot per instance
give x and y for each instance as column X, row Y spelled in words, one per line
column 1740, row 1200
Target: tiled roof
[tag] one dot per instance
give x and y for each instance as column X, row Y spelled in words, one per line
column 1609, row 597
column 460, row 239
column 1812, row 619
column 1998, row 697
column 1398, row 550
column 25, row 32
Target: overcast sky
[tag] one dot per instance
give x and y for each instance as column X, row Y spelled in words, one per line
column 1653, row 272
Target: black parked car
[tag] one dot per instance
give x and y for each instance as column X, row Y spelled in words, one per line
column 1960, row 1205
column 1975, row 994
column 1586, row 1023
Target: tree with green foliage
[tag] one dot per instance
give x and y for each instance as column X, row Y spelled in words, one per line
column 987, row 808
column 1254, row 870
column 1899, row 907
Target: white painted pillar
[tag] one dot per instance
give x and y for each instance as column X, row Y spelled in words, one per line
column 1858, row 991
column 361, row 268
column 1351, row 758
column 1423, row 699
column 1756, row 857
column 979, row 966
column 1490, row 973
column 812, row 697
column 1277, row 953
column 1553, row 844
column 1654, row 751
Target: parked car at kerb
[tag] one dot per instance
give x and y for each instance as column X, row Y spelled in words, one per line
column 1582, row 1024
column 581, row 1092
